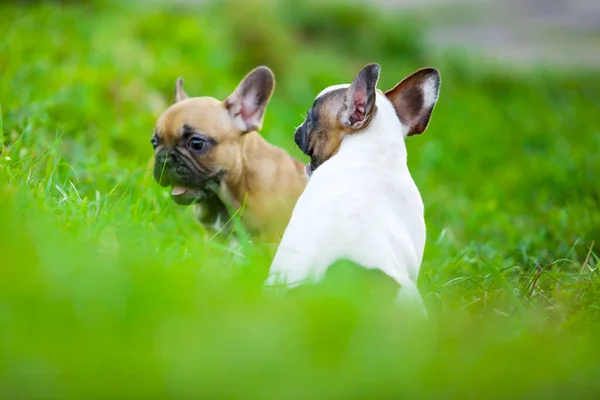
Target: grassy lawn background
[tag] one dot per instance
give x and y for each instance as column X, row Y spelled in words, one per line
column 109, row 290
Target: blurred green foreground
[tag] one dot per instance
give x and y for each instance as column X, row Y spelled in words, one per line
column 109, row 290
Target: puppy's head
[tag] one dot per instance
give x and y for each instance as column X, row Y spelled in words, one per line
column 197, row 140
column 343, row 110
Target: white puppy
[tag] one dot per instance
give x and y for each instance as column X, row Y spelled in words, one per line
column 361, row 203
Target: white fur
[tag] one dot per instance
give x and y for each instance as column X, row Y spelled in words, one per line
column 363, row 205
column 430, row 93
column 332, row 88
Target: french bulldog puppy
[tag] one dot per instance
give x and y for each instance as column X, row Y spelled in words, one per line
column 361, row 203
column 209, row 153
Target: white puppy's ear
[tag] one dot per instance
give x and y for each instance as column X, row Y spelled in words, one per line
column 180, row 94
column 359, row 100
column 414, row 99
column 248, row 102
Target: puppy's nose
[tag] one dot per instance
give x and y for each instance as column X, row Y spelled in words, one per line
column 299, row 138
column 160, row 158
column 167, row 159
column 162, row 165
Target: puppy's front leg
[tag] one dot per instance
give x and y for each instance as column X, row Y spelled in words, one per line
column 213, row 216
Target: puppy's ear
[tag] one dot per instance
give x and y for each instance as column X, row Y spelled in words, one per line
column 359, row 100
column 414, row 99
column 248, row 102
column 180, row 94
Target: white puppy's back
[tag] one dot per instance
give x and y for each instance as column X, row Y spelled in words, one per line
column 363, row 205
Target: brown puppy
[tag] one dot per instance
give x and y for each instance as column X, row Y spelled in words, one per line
column 208, row 152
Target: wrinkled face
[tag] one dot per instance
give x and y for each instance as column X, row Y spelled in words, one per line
column 347, row 109
column 197, row 140
column 194, row 141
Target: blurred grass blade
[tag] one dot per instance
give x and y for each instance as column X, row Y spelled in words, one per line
column 501, row 281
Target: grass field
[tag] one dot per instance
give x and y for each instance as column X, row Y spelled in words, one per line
column 109, row 290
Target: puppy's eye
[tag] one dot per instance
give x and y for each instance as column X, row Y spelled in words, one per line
column 154, row 142
column 197, row 144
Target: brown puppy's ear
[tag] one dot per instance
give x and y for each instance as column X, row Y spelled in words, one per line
column 359, row 100
column 248, row 102
column 180, row 94
column 414, row 99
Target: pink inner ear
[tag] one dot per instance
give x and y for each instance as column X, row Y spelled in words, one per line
column 358, row 115
column 249, row 108
column 246, row 114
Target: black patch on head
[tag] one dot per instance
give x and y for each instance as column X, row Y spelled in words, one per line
column 315, row 111
column 314, row 117
column 323, row 98
column 317, row 124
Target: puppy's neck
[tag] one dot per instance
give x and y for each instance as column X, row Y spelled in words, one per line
column 236, row 180
column 383, row 136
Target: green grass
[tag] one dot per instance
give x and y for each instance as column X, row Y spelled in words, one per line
column 109, row 290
